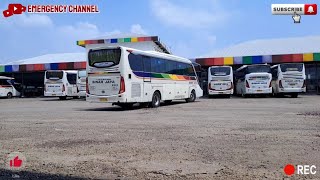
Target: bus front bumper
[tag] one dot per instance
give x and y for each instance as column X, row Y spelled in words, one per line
column 259, row 91
column 106, row 99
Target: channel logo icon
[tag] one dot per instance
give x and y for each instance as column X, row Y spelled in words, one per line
column 16, row 161
column 14, row 9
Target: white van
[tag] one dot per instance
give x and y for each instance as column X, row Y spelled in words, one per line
column 7, row 87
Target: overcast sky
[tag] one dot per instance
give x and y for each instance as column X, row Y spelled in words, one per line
column 190, row 28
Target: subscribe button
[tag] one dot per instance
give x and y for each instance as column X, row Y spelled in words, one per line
column 291, row 9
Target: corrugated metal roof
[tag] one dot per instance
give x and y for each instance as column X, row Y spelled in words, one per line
column 295, row 45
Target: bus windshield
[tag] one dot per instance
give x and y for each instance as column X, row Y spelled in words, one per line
column 54, row 74
column 82, row 74
column 259, row 68
column 104, row 57
column 291, row 67
column 220, row 71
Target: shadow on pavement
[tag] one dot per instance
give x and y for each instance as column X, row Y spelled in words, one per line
column 135, row 107
column 22, row 175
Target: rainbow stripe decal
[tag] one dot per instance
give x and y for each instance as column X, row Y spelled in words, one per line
column 164, row 76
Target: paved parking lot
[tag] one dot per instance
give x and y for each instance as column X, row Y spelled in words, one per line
column 233, row 138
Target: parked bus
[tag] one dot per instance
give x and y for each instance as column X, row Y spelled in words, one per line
column 288, row 79
column 81, row 83
column 220, row 80
column 253, row 80
column 124, row 76
column 8, row 87
column 60, row 83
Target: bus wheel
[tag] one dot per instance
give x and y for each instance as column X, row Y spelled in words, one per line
column 9, row 95
column 63, row 98
column 156, row 98
column 167, row 101
column 192, row 97
column 294, row 95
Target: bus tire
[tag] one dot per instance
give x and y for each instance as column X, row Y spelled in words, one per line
column 9, row 95
column 167, row 101
column 62, row 97
column 294, row 95
column 156, row 98
column 192, row 97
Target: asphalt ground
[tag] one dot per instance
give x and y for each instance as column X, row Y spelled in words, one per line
column 237, row 138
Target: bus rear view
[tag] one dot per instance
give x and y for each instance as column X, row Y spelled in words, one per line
column 254, row 80
column 104, row 82
column 289, row 78
column 220, row 80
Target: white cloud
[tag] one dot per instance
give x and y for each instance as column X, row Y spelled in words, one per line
column 24, row 20
column 39, row 32
column 81, row 30
column 137, row 29
column 188, row 16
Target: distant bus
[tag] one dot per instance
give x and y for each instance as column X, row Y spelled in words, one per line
column 253, row 80
column 60, row 83
column 220, row 80
column 124, row 76
column 81, row 83
column 8, row 87
column 288, row 78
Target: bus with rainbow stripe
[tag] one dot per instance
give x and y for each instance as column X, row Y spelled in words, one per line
column 125, row 76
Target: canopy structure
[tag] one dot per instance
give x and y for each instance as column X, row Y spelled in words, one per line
column 137, row 42
column 284, row 50
column 47, row 62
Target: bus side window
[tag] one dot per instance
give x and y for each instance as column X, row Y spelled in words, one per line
column 146, row 63
column 136, row 62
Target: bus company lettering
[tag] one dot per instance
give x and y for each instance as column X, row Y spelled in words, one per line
column 103, row 81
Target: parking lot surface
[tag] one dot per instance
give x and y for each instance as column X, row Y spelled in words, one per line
column 235, row 138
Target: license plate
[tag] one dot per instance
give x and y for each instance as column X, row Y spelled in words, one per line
column 103, row 100
column 220, row 92
column 53, row 94
column 259, row 90
column 292, row 84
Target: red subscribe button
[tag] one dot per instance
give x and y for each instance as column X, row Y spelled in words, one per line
column 291, row 9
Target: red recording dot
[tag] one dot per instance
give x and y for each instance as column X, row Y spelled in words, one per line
column 289, row 169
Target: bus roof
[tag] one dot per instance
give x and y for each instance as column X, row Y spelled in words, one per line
column 5, row 77
column 245, row 66
column 150, row 53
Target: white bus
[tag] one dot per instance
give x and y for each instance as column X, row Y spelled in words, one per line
column 220, row 80
column 8, row 88
column 124, row 76
column 288, row 78
column 60, row 83
column 81, row 83
column 253, row 80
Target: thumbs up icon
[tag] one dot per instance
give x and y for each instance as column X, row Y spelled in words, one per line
column 16, row 162
column 296, row 18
